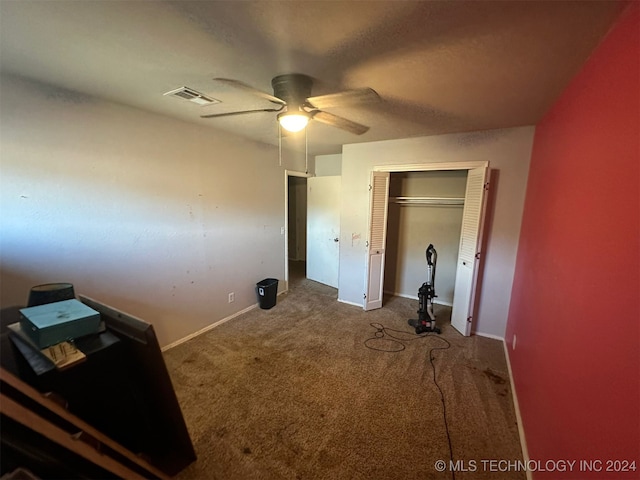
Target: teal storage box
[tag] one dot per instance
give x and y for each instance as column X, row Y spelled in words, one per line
column 57, row 322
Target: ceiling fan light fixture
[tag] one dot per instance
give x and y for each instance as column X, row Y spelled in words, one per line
column 293, row 122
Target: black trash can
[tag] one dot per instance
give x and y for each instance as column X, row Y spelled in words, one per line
column 267, row 290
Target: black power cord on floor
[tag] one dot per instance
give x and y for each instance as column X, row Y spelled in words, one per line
column 382, row 333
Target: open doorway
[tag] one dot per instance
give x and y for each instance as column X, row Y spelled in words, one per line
column 296, row 258
column 312, row 218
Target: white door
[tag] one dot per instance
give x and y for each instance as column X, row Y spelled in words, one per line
column 323, row 229
column 378, row 206
column 469, row 255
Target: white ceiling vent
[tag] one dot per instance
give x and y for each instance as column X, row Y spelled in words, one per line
column 193, row 96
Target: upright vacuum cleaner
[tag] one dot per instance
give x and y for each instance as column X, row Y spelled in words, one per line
column 426, row 321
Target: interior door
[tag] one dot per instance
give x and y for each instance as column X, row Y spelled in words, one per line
column 469, row 256
column 323, row 229
column 379, row 202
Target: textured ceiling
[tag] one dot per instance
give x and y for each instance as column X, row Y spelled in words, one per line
column 440, row 67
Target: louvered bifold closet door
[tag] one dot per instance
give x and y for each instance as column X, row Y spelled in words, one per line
column 379, row 201
column 469, row 254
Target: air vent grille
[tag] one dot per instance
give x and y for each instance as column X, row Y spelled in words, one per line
column 192, row 95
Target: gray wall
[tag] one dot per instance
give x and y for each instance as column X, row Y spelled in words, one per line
column 508, row 151
column 158, row 217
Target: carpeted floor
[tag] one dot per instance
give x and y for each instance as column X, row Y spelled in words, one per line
column 306, row 390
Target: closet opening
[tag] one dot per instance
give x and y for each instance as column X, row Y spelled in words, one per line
column 424, row 208
column 397, row 226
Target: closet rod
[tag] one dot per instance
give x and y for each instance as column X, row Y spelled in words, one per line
column 458, row 201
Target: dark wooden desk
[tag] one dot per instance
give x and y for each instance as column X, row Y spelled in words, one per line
column 111, row 391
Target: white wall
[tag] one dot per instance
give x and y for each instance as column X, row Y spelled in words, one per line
column 328, row 165
column 157, row 217
column 509, row 153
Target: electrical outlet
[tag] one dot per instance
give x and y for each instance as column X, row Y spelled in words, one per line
column 513, row 343
column 232, row 297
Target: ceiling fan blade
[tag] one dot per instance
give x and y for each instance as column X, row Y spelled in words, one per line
column 346, row 98
column 248, row 88
column 242, row 112
column 336, row 121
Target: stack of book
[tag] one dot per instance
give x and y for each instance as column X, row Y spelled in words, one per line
column 61, row 355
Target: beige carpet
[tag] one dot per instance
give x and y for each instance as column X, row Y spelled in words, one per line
column 295, row 393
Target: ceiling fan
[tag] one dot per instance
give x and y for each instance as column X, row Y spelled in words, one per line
column 296, row 106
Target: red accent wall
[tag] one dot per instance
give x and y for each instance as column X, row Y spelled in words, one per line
column 575, row 302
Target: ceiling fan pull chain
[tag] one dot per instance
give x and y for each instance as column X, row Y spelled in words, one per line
column 280, row 144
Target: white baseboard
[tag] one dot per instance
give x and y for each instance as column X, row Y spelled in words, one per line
column 489, row 335
column 415, row 297
column 208, row 327
column 516, row 406
column 446, row 304
column 350, row 303
column 403, row 295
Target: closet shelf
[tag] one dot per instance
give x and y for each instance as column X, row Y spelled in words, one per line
column 428, row 201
